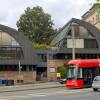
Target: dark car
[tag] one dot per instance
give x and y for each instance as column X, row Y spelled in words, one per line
column 62, row 81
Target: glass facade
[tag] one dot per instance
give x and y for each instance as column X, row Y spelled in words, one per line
column 83, row 38
column 9, row 47
column 6, row 39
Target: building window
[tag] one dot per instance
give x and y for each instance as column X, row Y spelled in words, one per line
column 43, row 57
column 64, row 42
column 0, row 35
column 14, row 42
column 93, row 20
column 97, row 17
column 88, row 42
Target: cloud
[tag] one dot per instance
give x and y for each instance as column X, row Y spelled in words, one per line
column 60, row 10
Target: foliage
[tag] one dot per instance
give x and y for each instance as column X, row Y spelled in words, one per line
column 63, row 71
column 42, row 46
column 37, row 25
column 96, row 5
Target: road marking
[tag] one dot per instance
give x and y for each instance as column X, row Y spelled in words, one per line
column 38, row 94
column 45, row 94
column 22, row 96
column 3, row 99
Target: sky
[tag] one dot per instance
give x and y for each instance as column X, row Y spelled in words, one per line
column 60, row 10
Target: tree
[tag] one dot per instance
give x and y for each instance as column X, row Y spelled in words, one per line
column 37, row 25
column 63, row 71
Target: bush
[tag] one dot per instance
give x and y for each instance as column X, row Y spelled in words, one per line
column 63, row 71
column 42, row 46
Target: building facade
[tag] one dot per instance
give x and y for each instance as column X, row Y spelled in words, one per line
column 86, row 43
column 93, row 15
column 82, row 36
column 17, row 57
column 21, row 63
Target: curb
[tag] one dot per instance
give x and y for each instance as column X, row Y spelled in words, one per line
column 30, row 89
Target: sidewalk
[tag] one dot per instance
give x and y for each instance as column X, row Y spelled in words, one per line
column 30, row 87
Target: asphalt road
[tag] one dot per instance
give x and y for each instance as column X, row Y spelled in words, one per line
column 52, row 94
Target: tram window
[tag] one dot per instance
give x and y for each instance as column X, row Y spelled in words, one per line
column 71, row 72
column 79, row 73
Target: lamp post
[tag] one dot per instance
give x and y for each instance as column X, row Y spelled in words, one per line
column 73, row 41
column 19, row 71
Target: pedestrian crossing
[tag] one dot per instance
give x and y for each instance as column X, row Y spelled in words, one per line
column 36, row 95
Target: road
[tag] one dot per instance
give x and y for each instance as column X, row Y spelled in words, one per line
column 52, row 94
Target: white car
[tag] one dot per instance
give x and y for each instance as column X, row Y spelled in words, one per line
column 96, row 83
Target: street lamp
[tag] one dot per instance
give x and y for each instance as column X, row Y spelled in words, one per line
column 19, row 71
column 19, row 68
column 73, row 40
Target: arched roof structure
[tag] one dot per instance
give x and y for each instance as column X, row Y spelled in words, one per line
column 88, row 26
column 25, row 44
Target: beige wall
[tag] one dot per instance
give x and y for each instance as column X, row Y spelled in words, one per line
column 98, row 25
column 54, row 64
column 92, row 18
column 5, row 39
column 78, row 43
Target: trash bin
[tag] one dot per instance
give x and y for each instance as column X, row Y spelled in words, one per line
column 5, row 82
column 1, row 82
column 8, row 82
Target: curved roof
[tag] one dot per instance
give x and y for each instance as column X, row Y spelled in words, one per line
column 88, row 26
column 85, row 63
column 26, row 45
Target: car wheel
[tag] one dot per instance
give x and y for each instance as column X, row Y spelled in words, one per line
column 94, row 89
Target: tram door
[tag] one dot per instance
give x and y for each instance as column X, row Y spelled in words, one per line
column 89, row 74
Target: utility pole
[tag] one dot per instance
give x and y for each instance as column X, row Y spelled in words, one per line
column 73, row 41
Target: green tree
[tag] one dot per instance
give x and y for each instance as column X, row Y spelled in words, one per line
column 63, row 71
column 37, row 25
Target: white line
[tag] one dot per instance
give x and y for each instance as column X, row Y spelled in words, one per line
column 29, row 95
column 45, row 94
column 39, row 94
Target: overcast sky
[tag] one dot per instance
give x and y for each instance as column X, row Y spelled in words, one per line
column 60, row 10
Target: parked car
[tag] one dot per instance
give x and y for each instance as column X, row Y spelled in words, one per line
column 96, row 83
column 62, row 81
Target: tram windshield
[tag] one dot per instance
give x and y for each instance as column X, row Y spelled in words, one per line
column 71, row 73
column 74, row 72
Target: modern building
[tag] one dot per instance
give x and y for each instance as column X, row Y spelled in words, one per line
column 79, row 35
column 82, row 35
column 93, row 15
column 17, row 57
column 78, row 39
column 44, row 58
